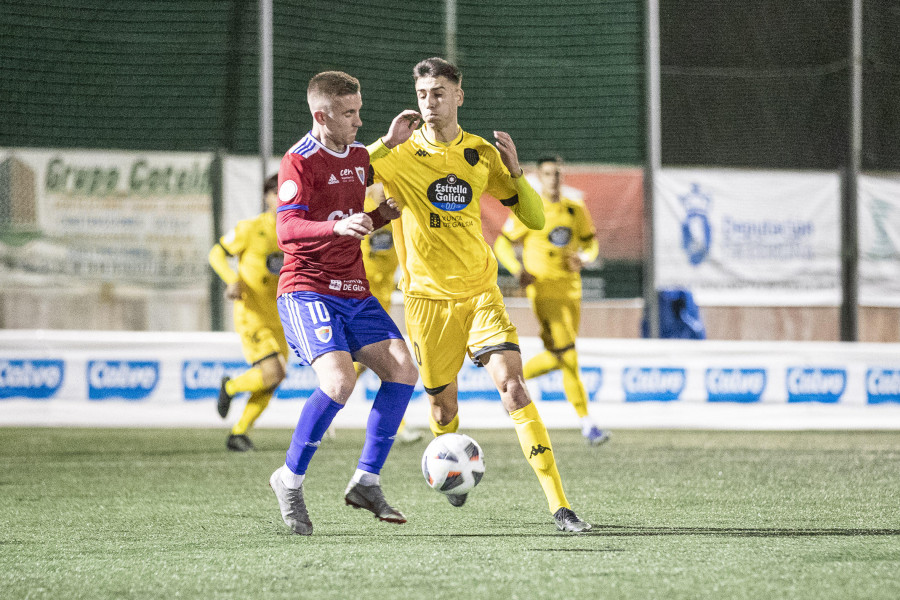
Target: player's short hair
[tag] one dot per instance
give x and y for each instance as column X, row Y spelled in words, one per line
column 437, row 67
column 327, row 85
column 550, row 158
column 270, row 184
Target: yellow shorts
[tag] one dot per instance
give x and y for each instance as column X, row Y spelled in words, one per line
column 559, row 319
column 442, row 332
column 260, row 337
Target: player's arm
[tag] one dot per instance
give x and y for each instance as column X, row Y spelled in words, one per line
column 218, row 260
column 588, row 246
column 291, row 224
column 527, row 206
column 504, row 250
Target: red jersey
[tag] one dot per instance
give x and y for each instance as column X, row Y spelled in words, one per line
column 316, row 188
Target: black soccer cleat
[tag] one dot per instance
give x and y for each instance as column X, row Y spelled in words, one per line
column 239, row 443
column 371, row 498
column 224, row 399
column 567, row 520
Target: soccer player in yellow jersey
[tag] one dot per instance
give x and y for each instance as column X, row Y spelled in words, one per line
column 551, row 276
column 452, row 304
column 252, row 288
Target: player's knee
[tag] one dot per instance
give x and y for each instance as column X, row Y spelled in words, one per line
column 338, row 388
column 514, row 393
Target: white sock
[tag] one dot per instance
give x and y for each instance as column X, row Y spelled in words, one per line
column 366, row 478
column 291, row 479
column 586, row 424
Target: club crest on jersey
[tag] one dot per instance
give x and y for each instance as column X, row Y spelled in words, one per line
column 361, row 173
column 324, row 334
column 471, row 156
column 450, row 193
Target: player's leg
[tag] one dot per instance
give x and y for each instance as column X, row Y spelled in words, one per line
column 273, row 368
column 495, row 345
column 546, row 361
column 377, row 343
column 313, row 327
column 439, row 341
column 260, row 339
column 534, row 439
column 563, row 328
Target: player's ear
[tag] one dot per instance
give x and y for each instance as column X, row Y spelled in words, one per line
column 319, row 117
column 459, row 96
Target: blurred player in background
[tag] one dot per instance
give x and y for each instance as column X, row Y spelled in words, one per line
column 452, row 303
column 551, row 276
column 252, row 288
column 329, row 315
column 381, row 262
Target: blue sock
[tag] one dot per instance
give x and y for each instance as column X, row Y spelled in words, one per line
column 384, row 419
column 317, row 414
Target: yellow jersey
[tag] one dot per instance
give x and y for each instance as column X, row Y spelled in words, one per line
column 254, row 243
column 567, row 231
column 438, row 187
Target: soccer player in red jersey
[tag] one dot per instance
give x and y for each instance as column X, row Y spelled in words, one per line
column 330, row 317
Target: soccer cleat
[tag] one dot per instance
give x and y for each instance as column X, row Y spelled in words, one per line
column 567, row 520
column 408, row 436
column 371, row 498
column 596, row 436
column 457, row 499
column 290, row 501
column 239, row 443
column 224, row 399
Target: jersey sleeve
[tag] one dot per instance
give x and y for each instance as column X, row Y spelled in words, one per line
column 514, row 193
column 382, row 161
column 587, row 235
column 295, row 186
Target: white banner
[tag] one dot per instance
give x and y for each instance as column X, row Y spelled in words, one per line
column 749, row 238
column 879, row 240
column 142, row 217
column 172, row 379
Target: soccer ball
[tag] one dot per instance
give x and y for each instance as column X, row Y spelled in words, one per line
column 453, row 463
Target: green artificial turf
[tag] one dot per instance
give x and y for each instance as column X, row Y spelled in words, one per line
column 169, row 513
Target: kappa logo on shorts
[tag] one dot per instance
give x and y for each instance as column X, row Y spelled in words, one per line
column 324, row 334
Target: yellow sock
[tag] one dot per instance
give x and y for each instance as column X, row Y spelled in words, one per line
column 540, row 364
column 572, row 384
column 535, row 442
column 250, row 380
column 257, row 403
column 438, row 429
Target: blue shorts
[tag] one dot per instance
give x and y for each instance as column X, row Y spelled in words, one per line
column 318, row 323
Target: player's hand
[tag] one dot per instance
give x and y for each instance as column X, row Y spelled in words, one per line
column 574, row 263
column 525, row 279
column 508, row 153
column 358, row 226
column 234, row 291
column 402, row 128
column 389, row 209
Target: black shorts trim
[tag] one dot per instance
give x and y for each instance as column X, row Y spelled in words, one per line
column 265, row 357
column 476, row 358
column 436, row 390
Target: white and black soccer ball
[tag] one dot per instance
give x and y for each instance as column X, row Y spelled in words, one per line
column 453, row 463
